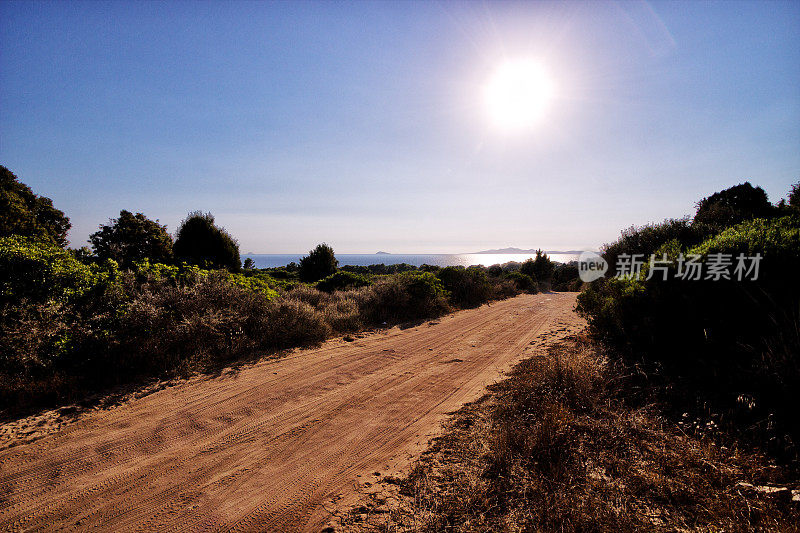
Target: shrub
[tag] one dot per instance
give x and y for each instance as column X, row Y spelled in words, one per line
column 199, row 241
column 404, row 297
column 132, row 238
column 319, row 263
column 468, row 287
column 289, row 323
column 732, row 206
column 645, row 240
column 24, row 213
column 522, row 282
column 40, row 272
column 260, row 283
column 714, row 337
column 342, row 280
column 565, row 277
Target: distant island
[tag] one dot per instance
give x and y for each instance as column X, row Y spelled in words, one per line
column 521, row 251
column 382, row 253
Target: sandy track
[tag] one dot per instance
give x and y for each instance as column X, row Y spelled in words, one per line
column 272, row 446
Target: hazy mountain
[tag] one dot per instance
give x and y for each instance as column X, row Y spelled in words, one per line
column 521, row 251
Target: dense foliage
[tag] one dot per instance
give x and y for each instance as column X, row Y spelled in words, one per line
column 731, row 206
column 794, row 196
column 468, row 287
column 342, row 280
column 645, row 240
column 132, row 238
column 24, row 213
column 199, row 241
column 319, row 263
column 729, row 342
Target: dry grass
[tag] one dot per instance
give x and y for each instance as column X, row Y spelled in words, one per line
column 555, row 448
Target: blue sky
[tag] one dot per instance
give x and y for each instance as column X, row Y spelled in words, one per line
column 364, row 124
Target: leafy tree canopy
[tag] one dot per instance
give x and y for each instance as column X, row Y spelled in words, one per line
column 732, row 206
column 319, row 263
column 24, row 213
column 132, row 238
column 200, row 241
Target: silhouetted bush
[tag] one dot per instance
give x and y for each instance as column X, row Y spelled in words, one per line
column 319, row 263
column 199, row 241
column 527, row 268
column 132, row 238
column 732, row 206
column 794, row 195
column 565, row 277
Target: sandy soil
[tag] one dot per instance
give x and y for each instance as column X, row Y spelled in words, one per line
column 278, row 445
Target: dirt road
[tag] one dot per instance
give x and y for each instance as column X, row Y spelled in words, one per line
column 273, row 446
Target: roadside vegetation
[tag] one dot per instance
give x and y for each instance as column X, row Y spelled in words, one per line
column 140, row 305
column 674, row 411
column 724, row 350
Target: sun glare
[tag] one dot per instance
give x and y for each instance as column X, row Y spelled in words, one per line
column 517, row 95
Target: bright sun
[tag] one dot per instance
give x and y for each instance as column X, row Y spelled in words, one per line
column 517, row 94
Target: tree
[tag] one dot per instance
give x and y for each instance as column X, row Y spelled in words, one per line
column 131, row 238
column 249, row 264
column 200, row 242
column 24, row 213
column 319, row 263
column 542, row 266
column 732, row 206
column 794, row 196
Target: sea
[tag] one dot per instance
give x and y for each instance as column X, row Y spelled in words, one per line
column 442, row 260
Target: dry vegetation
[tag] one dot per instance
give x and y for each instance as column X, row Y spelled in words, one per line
column 555, row 447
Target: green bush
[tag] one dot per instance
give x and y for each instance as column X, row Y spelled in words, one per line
column 403, row 297
column 468, row 287
column 342, row 280
column 645, row 240
column 24, row 213
column 40, row 272
column 665, row 317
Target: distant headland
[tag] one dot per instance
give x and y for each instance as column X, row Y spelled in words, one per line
column 521, row 251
